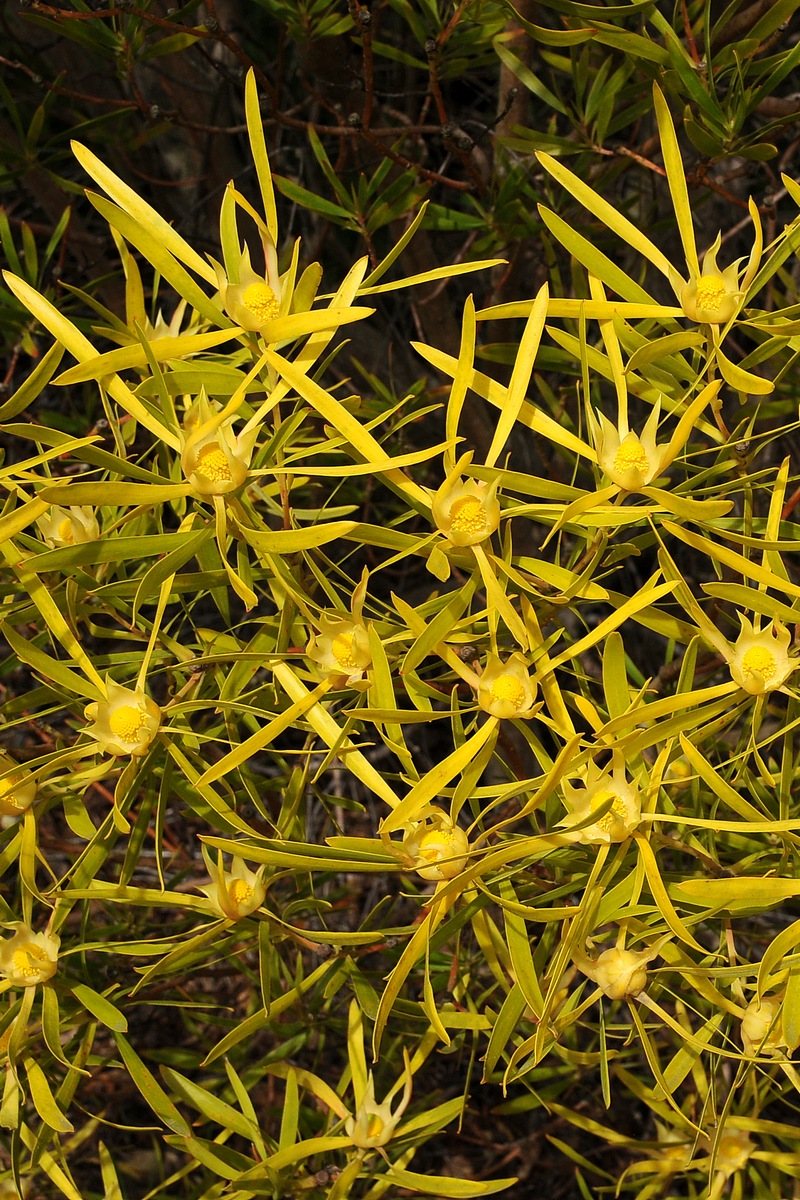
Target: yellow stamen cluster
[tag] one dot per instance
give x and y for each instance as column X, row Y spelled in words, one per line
column 239, row 891
column 711, row 292
column 126, row 721
column 261, row 301
column 7, row 787
column 760, row 661
column 342, row 650
column 509, row 687
column 436, row 845
column 28, row 960
column 631, row 456
column 617, row 809
column 66, row 533
column 375, row 1126
column 213, row 463
column 467, row 516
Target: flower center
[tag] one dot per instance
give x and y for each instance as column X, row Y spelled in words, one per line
column 508, row 687
column 760, row 661
column 28, row 961
column 435, row 845
column 375, row 1126
column 631, row 456
column 212, row 462
column 342, row 649
column 260, row 300
column 733, row 1151
column 711, row 291
column 65, row 532
column 126, row 721
column 467, row 515
column 606, row 822
column 7, row 787
column 240, row 892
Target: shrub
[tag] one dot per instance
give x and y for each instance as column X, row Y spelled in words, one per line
column 344, row 752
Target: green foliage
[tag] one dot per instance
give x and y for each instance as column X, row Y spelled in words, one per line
column 376, row 753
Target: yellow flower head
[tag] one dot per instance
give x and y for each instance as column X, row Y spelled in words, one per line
column 214, row 460
column 762, row 1027
column 8, row 1189
column 436, row 848
column 675, row 1151
column 255, row 300
column 236, row 893
column 171, row 328
column 620, row 974
column 374, row 1124
column 733, row 1151
column 69, row 527
column 17, row 790
column 630, row 461
column 713, row 296
column 341, row 648
column 466, row 511
column 759, row 661
column 125, row 722
column 679, row 773
column 505, row 689
column 29, row 958
column 602, row 789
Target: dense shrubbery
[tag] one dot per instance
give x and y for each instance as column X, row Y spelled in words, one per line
column 399, row 708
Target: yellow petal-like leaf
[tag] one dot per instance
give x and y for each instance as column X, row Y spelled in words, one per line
column 141, row 212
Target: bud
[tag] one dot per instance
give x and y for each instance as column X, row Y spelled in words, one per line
column 436, row 848
column 620, row 974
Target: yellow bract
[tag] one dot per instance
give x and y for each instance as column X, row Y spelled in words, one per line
column 762, row 1026
column 69, row 527
column 712, row 297
column 620, row 974
column 214, row 460
column 125, row 722
column 374, row 1124
column 436, row 848
column 341, row 648
column 17, row 792
column 252, row 302
column 629, row 460
column 599, row 787
column 466, row 511
column 759, row 660
column 236, row 893
column 29, row 958
column 505, row 689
